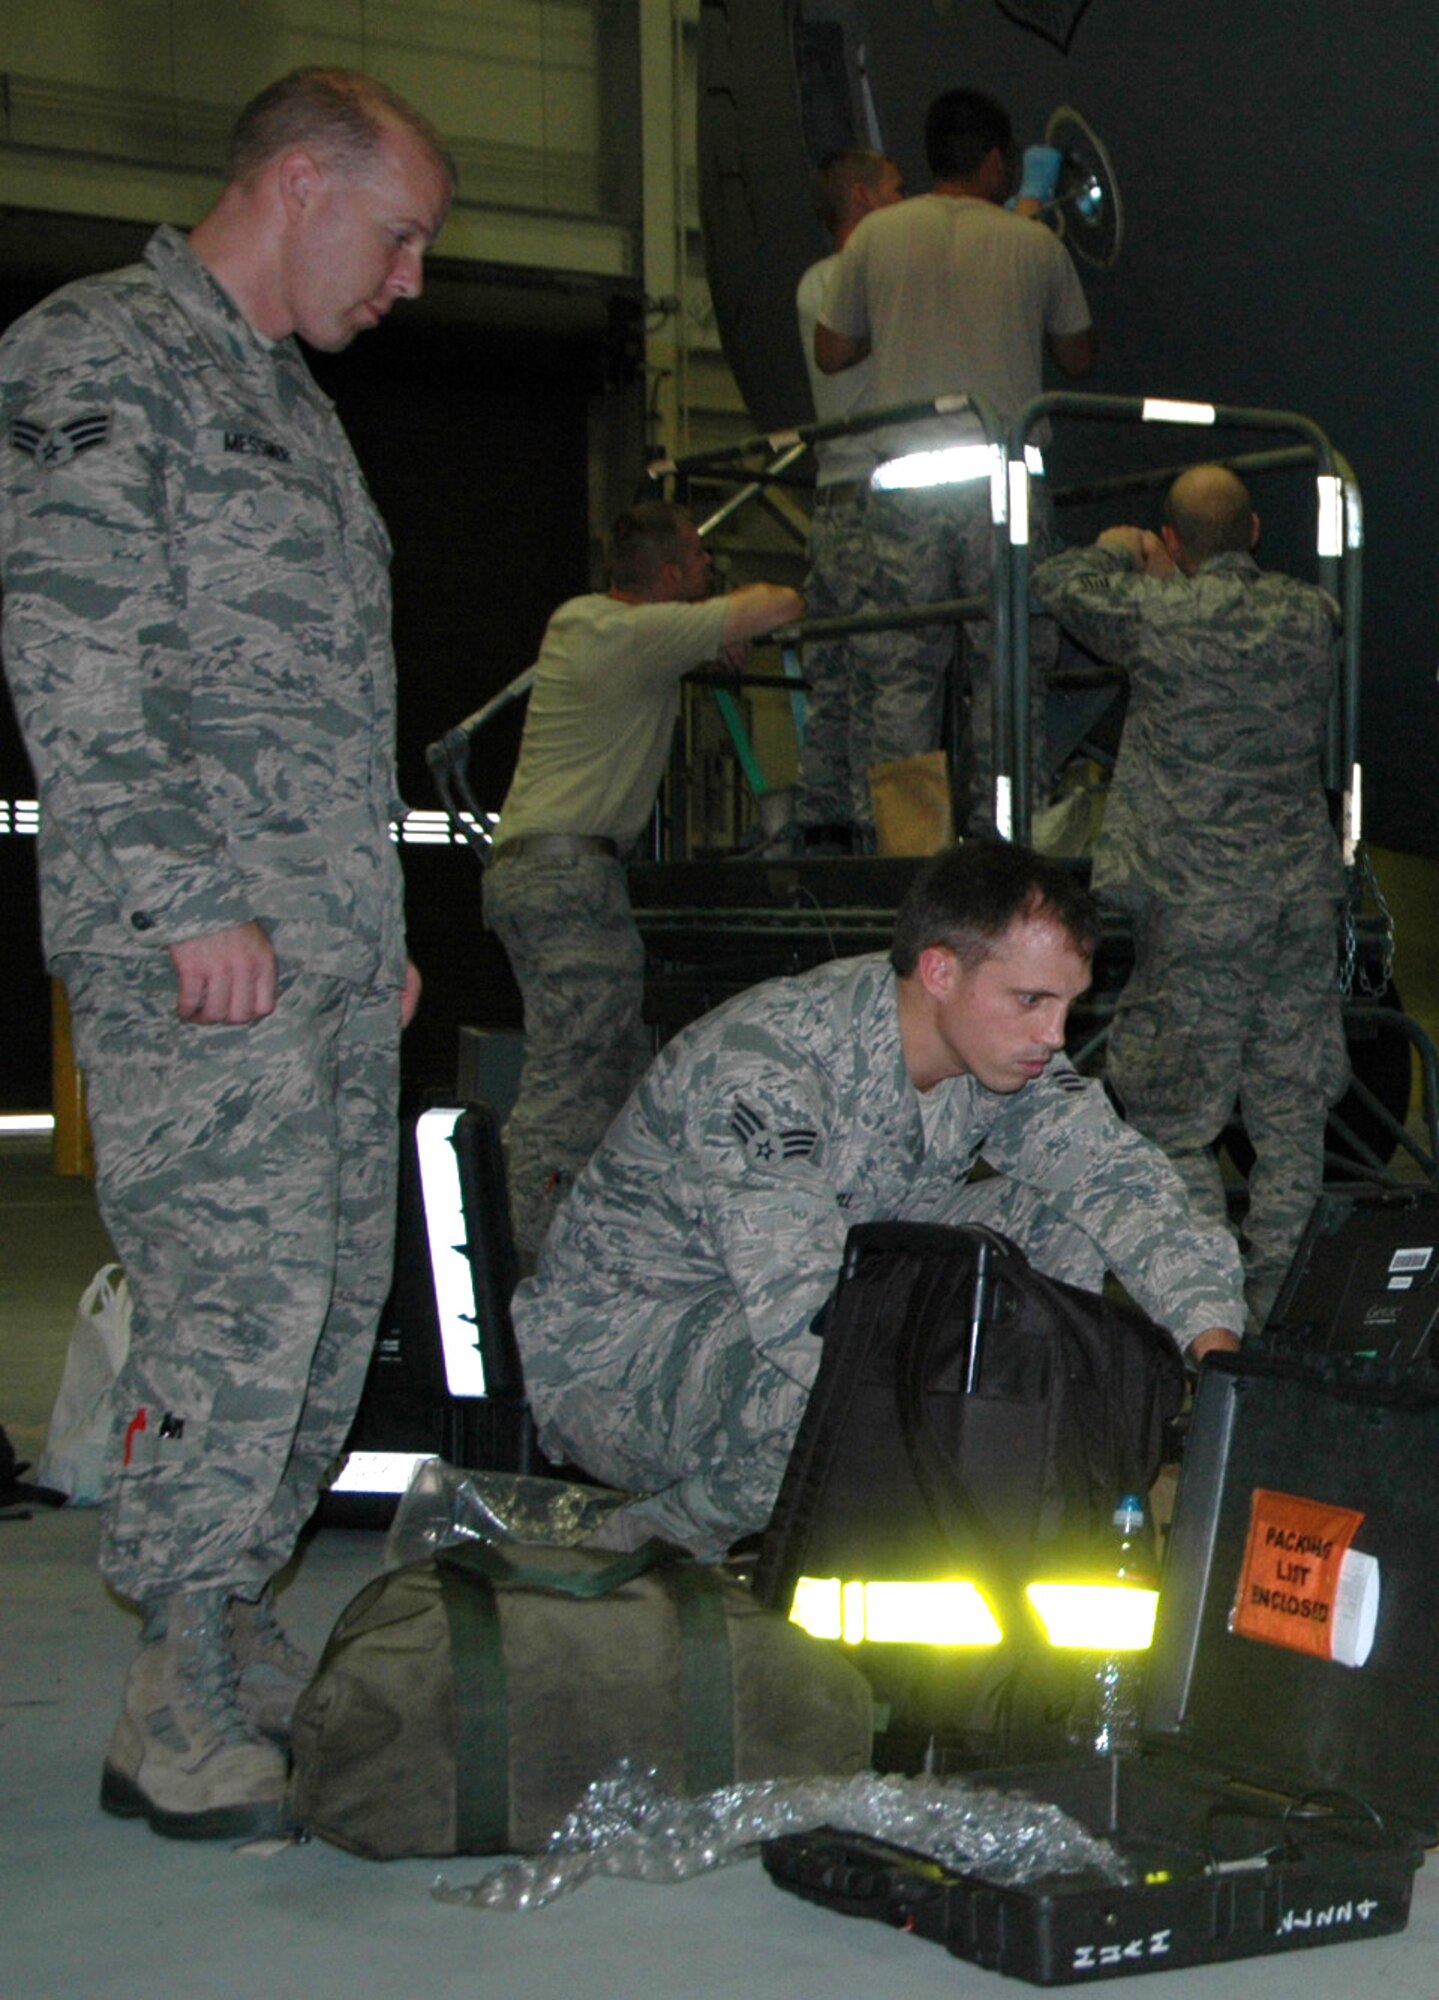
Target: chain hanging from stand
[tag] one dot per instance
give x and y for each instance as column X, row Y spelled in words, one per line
column 1363, row 887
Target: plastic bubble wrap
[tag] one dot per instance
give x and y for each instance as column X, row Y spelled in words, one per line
column 625, row 1825
column 443, row 1504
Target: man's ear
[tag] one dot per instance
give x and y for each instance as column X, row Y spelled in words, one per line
column 298, row 176
column 936, row 968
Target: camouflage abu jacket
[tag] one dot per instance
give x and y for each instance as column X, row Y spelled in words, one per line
column 1218, row 786
column 762, row 1132
column 197, row 628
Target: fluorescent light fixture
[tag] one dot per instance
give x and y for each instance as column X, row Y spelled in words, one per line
column 1096, row 1617
column 19, row 816
column 952, row 465
column 378, row 1471
column 26, row 1121
column 449, row 1259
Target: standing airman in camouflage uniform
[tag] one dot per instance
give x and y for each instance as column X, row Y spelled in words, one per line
column 833, row 804
column 197, row 635
column 950, row 292
column 1217, row 836
column 597, row 735
column 667, row 1336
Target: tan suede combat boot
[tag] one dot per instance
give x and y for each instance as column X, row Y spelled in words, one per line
column 272, row 1671
column 183, row 1755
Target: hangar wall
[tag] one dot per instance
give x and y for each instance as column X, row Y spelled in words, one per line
column 500, row 419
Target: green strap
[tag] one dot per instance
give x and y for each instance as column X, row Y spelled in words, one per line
column 483, row 1559
column 469, row 1570
column 482, row 1726
column 705, row 1677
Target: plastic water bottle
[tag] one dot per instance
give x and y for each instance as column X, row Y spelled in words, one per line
column 1106, row 1717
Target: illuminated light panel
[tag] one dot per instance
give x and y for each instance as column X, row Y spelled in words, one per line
column 27, row 1121
column 945, row 1613
column 379, row 1471
column 20, row 816
column 952, row 466
column 1159, row 410
column 1096, row 1617
column 434, row 829
column 449, row 1260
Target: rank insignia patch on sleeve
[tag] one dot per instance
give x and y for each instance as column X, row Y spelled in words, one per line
column 57, row 444
column 763, row 1145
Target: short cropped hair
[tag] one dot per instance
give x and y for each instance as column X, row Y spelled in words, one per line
column 966, row 898
column 342, row 114
column 1210, row 516
column 962, row 127
column 837, row 174
column 644, row 538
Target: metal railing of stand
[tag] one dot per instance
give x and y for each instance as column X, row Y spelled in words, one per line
column 1339, row 542
column 448, row 757
column 895, row 417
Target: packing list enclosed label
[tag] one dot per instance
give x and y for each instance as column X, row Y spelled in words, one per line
column 1302, row 1584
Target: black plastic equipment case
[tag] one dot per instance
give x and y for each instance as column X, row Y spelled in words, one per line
column 1282, row 1800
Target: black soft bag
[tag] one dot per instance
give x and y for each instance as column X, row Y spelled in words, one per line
column 971, row 1418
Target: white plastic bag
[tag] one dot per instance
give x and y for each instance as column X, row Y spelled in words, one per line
column 83, row 1419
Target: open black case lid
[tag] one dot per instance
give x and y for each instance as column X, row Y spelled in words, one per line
column 1262, row 1710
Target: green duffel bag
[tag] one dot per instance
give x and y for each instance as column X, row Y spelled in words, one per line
column 463, row 1705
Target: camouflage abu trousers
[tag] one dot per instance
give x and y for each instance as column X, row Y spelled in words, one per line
column 568, row 932
column 839, row 707
column 921, row 547
column 703, row 1423
column 246, row 1177
column 1235, row 1006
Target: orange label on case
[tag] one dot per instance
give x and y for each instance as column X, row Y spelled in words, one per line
column 1290, row 1578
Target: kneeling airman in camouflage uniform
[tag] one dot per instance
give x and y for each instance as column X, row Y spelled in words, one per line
column 667, row 1338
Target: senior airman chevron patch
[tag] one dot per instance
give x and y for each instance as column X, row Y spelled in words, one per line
column 57, row 444
column 765, row 1146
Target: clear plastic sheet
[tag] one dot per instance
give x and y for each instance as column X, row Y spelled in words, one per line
column 625, row 1825
column 444, row 1504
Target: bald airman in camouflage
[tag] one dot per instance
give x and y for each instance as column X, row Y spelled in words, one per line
column 1217, row 837
column 667, row 1336
column 197, row 636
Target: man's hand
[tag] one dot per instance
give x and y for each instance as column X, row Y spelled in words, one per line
column 227, row 978
column 1142, row 546
column 409, row 993
column 1213, row 1340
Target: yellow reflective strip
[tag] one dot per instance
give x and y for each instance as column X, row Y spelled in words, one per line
column 945, row 1613
column 1096, row 1617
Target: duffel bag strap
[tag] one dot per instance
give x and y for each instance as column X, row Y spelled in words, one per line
column 484, row 1559
column 708, row 1684
column 481, row 1690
